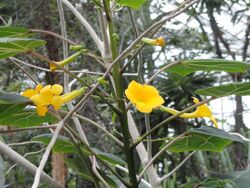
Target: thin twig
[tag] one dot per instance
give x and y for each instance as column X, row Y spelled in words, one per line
column 177, row 167
column 97, row 126
column 246, row 41
column 149, row 144
column 24, row 143
column 46, row 154
column 161, row 70
column 158, row 154
column 53, row 34
column 97, row 173
column 25, row 155
column 126, row 170
column 28, row 128
column 84, row 71
column 26, row 72
column 85, row 23
column 241, row 136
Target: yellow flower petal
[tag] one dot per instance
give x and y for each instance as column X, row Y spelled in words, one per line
column 38, row 100
column 46, row 94
column 160, row 41
column 143, row 107
column 57, row 89
column 29, row 93
column 73, row 94
column 214, row 121
column 202, row 110
column 42, row 110
column 52, row 67
column 57, row 102
column 38, row 88
column 144, row 97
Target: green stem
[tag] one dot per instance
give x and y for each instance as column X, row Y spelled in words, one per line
column 121, row 104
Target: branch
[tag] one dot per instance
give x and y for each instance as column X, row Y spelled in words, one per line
column 97, row 126
column 161, row 70
column 66, row 76
column 54, row 35
column 45, row 157
column 26, row 72
column 95, row 171
column 177, row 167
column 150, row 163
column 20, row 160
column 84, row 22
column 142, row 152
column 246, row 41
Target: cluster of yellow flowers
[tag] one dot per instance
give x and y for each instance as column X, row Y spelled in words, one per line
column 146, row 98
column 43, row 97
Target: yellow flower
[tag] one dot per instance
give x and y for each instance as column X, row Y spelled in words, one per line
column 160, row 41
column 144, row 97
column 50, row 95
column 201, row 111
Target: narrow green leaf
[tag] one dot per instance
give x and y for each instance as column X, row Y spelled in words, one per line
column 239, row 89
column 7, row 31
column 13, row 46
column 16, row 116
column 189, row 66
column 204, row 139
column 131, row 3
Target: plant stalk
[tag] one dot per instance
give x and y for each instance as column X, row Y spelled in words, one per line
column 121, row 104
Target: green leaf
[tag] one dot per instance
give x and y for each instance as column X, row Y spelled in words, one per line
column 240, row 178
column 131, row 3
column 10, row 98
column 62, row 144
column 204, row 139
column 13, row 46
column 111, row 158
column 239, row 89
column 190, row 66
column 16, row 116
column 76, row 165
column 7, row 31
column 7, row 110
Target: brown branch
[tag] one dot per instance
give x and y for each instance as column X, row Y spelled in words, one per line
column 246, row 42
